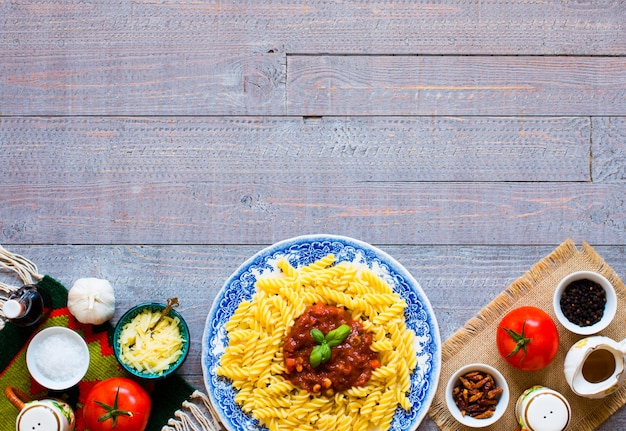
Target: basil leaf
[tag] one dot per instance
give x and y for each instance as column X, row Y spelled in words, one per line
column 317, row 335
column 316, row 356
column 325, row 349
column 337, row 335
column 321, row 353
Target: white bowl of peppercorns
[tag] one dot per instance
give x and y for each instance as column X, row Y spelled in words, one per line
column 585, row 302
column 477, row 395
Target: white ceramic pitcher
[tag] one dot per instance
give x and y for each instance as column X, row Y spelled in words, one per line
column 594, row 366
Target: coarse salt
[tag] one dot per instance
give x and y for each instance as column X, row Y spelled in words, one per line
column 59, row 357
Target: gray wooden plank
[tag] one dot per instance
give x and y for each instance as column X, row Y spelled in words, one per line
column 212, row 59
column 320, row 26
column 448, row 85
column 447, row 274
column 199, row 83
column 144, row 83
column 261, row 210
column 71, row 150
column 609, row 149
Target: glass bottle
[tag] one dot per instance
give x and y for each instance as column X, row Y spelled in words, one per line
column 27, row 306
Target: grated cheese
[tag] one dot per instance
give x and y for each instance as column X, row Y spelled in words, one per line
column 151, row 351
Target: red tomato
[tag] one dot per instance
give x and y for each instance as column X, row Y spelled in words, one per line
column 527, row 338
column 118, row 404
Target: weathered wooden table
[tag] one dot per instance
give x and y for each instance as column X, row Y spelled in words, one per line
column 158, row 144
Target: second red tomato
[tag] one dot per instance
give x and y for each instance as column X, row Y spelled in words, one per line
column 527, row 338
column 117, row 404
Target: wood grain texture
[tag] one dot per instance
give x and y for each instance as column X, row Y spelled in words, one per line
column 247, row 180
column 609, row 149
column 448, row 85
column 292, row 150
column 216, row 58
column 517, row 27
column 158, row 144
column 304, row 85
column 447, row 274
column 260, row 210
column 141, row 83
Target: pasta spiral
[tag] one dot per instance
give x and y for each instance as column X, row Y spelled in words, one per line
column 253, row 359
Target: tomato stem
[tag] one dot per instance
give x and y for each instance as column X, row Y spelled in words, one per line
column 112, row 412
column 521, row 341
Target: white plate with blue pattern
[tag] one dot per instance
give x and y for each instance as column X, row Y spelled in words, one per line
column 301, row 251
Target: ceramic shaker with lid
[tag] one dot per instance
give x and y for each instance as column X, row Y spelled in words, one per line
column 542, row 409
column 41, row 415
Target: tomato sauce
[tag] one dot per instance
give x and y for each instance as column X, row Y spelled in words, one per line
column 351, row 362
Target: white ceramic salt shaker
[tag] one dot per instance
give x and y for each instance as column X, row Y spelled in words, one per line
column 542, row 409
column 41, row 415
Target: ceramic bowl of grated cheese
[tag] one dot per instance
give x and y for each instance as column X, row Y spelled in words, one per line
column 57, row 357
column 150, row 346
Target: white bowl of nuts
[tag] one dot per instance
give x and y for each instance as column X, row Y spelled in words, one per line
column 477, row 395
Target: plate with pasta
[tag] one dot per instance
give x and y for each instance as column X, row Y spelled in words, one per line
column 246, row 362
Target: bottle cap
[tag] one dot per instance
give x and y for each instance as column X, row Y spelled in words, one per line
column 12, row 309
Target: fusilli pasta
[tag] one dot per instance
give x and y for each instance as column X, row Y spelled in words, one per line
column 253, row 359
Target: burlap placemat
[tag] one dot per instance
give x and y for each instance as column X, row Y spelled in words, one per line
column 475, row 342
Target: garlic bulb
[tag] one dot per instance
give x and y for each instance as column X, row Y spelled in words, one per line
column 91, row 300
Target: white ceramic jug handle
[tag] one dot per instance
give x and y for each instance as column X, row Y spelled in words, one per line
column 622, row 346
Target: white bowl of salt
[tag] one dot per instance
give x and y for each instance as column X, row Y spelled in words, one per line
column 57, row 358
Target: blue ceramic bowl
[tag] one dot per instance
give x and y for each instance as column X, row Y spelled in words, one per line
column 128, row 317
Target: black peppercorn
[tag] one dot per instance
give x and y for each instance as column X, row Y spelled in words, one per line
column 582, row 302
